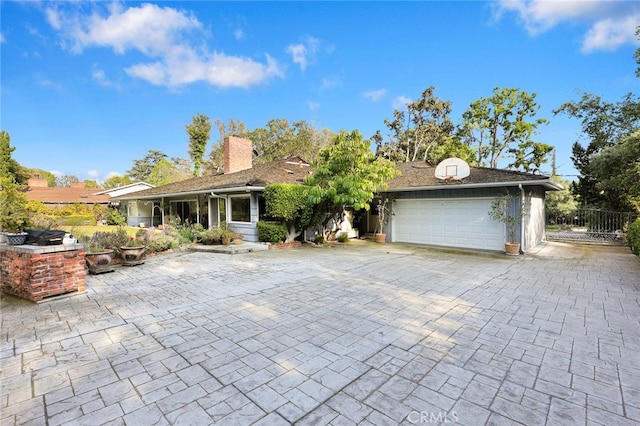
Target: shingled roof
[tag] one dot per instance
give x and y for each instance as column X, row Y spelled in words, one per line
column 292, row 170
column 421, row 175
column 57, row 195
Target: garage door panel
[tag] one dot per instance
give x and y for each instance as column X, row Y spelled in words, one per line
column 447, row 222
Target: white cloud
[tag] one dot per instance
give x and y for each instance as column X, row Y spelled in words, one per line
column 100, row 77
column 611, row 33
column 329, row 83
column 163, row 35
column 2, row 39
column 375, row 95
column 313, row 106
column 52, row 84
column 305, row 52
column 93, row 174
column 400, row 102
column 609, row 22
column 238, row 34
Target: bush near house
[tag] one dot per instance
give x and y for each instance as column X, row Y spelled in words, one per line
column 271, row 232
column 633, row 237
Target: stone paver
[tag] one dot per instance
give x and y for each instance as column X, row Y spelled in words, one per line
column 354, row 334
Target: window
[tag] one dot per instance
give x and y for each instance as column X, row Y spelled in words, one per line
column 240, row 209
column 185, row 210
column 222, row 210
column 262, row 207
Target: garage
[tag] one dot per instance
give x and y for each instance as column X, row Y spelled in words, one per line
column 460, row 222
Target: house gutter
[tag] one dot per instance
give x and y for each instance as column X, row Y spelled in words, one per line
column 198, row 192
column 546, row 183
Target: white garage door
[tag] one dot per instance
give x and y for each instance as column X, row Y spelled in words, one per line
column 447, row 222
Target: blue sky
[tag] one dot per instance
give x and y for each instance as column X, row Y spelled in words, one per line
column 88, row 87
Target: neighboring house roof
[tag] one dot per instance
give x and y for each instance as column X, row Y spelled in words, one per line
column 292, row 170
column 126, row 189
column 77, row 194
column 55, row 195
column 419, row 175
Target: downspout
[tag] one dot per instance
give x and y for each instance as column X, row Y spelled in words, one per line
column 522, row 234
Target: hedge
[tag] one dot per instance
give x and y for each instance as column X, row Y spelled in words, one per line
column 271, row 232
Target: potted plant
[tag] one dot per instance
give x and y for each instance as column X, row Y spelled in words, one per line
column 13, row 212
column 98, row 258
column 237, row 238
column 210, row 236
column 504, row 210
column 382, row 209
column 133, row 252
column 226, row 236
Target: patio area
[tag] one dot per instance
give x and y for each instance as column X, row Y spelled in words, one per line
column 360, row 333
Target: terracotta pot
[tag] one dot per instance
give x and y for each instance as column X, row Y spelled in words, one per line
column 99, row 262
column 512, row 249
column 380, row 238
column 132, row 256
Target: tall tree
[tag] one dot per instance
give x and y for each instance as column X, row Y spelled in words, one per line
column 198, row 132
column 347, row 175
column 416, row 133
column 141, row 169
column 502, row 124
column 13, row 202
column 117, row 181
column 65, row 181
column 19, row 173
column 280, row 140
column 165, row 172
column 605, row 125
column 616, row 171
column 560, row 203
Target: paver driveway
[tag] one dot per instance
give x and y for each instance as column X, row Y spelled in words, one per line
column 357, row 334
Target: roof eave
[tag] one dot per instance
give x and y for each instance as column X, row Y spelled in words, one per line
column 547, row 184
column 200, row 191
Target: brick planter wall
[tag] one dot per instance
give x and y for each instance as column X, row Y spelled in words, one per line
column 37, row 272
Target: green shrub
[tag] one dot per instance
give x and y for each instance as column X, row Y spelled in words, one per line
column 271, row 232
column 160, row 243
column 211, row 236
column 112, row 240
column 633, row 237
column 343, row 238
column 116, row 218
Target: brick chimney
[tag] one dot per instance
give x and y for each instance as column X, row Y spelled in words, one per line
column 36, row 182
column 238, row 154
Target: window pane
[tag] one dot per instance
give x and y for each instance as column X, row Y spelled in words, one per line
column 222, row 209
column 241, row 209
column 262, row 207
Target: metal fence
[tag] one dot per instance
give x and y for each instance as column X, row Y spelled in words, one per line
column 590, row 225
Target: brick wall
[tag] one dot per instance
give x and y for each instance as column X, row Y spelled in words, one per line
column 238, row 154
column 38, row 273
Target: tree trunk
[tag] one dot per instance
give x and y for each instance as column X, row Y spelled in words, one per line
column 292, row 233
